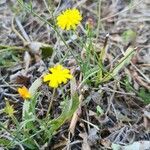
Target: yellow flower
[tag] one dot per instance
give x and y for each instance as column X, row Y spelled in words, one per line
column 69, row 19
column 24, row 93
column 58, row 75
column 9, row 109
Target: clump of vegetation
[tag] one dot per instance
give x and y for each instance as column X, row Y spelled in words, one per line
column 82, row 83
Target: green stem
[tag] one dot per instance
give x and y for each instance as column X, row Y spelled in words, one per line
column 15, row 120
column 51, row 102
column 10, row 47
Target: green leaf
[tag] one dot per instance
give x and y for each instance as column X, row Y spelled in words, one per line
column 6, row 143
column 99, row 110
column 47, row 51
column 35, row 85
column 122, row 62
column 30, row 144
column 29, row 105
column 145, row 95
column 29, row 115
column 8, row 58
column 129, row 36
column 68, row 110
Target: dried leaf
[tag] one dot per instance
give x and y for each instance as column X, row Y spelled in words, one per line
column 85, row 145
column 75, row 117
column 140, row 145
column 38, row 48
column 27, row 60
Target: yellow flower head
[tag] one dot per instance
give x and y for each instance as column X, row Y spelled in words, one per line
column 69, row 19
column 9, row 109
column 58, row 75
column 24, row 93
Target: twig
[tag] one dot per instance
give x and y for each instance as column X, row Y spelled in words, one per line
column 99, row 20
column 138, row 70
column 136, row 4
column 123, row 93
column 22, row 30
column 16, row 32
column 90, row 124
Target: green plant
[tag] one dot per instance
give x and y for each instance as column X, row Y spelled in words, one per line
column 32, row 132
column 143, row 94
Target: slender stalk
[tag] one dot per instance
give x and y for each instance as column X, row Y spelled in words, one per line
column 4, row 47
column 52, row 26
column 51, row 102
column 99, row 20
column 14, row 119
column 47, row 7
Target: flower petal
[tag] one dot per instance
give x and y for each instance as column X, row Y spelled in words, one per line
column 47, row 77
